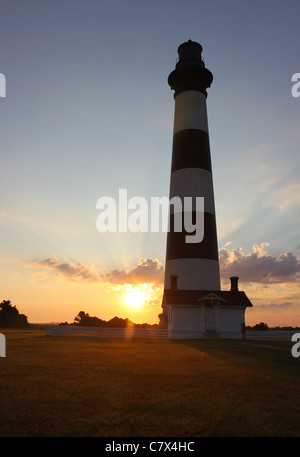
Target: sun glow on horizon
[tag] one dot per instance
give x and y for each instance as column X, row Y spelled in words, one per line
column 135, row 297
column 138, row 295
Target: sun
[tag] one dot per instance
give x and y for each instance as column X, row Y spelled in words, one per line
column 135, row 297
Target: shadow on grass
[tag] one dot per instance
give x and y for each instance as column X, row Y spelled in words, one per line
column 244, row 353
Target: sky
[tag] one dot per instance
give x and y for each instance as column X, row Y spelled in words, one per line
column 88, row 112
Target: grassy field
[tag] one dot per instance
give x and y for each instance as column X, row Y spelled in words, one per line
column 73, row 387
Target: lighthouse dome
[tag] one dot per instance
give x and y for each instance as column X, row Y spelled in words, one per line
column 190, row 54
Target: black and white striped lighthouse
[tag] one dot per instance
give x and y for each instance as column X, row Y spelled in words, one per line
column 193, row 304
column 195, row 264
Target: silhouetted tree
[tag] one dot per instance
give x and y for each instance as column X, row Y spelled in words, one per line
column 119, row 322
column 85, row 320
column 81, row 317
column 10, row 316
column 261, row 326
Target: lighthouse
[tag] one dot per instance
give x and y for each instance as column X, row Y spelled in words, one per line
column 193, row 304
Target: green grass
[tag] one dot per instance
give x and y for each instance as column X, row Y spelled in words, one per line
column 68, row 386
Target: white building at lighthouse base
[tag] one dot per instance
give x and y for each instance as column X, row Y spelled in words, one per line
column 195, row 314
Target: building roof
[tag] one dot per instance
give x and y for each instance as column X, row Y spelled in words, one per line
column 206, row 297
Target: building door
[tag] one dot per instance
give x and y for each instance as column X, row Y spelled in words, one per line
column 209, row 318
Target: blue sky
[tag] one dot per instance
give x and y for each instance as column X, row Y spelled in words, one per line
column 88, row 111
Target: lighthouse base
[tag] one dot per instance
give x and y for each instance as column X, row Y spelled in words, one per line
column 205, row 314
column 176, row 334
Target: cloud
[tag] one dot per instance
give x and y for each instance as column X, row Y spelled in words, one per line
column 288, row 198
column 274, row 305
column 259, row 266
column 256, row 267
column 74, row 272
column 147, row 271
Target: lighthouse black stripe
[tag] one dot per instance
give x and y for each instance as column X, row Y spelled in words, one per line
column 193, row 182
column 191, row 150
column 177, row 248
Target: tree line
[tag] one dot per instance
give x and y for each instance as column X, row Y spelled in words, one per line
column 262, row 326
column 10, row 317
column 83, row 319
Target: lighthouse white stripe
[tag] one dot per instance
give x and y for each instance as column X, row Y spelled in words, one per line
column 193, row 182
column 193, row 274
column 190, row 111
